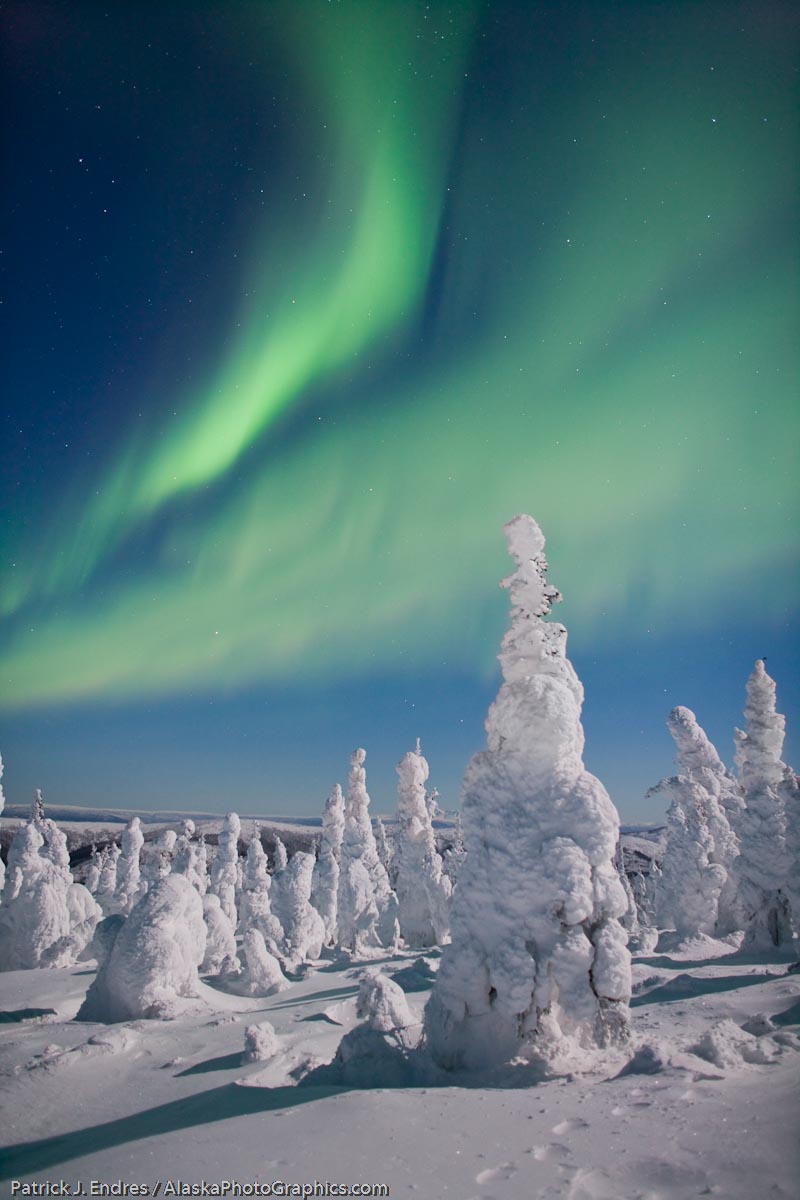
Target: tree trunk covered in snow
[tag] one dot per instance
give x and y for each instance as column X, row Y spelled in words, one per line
column 538, row 963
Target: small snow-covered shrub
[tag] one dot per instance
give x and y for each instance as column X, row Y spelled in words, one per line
column 382, row 1004
column 325, row 882
column 260, row 1042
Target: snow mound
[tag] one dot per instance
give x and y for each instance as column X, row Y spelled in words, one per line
column 728, row 1046
column 650, row 1058
column 260, row 1042
column 382, row 1004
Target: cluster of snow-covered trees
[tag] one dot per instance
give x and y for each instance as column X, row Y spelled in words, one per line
column 155, row 916
column 531, row 902
column 732, row 859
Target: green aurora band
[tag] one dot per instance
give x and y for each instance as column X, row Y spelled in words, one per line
column 613, row 350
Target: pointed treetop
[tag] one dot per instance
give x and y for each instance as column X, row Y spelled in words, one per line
column 694, row 749
column 528, row 585
column 418, row 749
column 37, row 807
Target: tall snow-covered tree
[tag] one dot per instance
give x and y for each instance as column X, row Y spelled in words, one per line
column 220, row 951
column 423, row 890
column 763, row 866
column 224, row 869
column 46, row 919
column 92, row 878
column 128, row 868
column 721, row 803
column 630, row 918
column 366, row 903
column 157, row 861
column 538, row 966
column 454, row 854
column 382, row 844
column 303, row 927
column 255, row 876
column 280, row 855
column 688, row 897
column 107, row 884
column 186, row 858
column 325, row 884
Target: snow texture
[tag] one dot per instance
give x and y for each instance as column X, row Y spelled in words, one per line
column 325, row 883
column 538, row 965
column 152, row 966
column 423, row 890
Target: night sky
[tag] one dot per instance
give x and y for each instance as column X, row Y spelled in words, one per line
column 302, row 301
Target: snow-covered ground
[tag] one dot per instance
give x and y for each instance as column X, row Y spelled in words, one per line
column 707, row 1104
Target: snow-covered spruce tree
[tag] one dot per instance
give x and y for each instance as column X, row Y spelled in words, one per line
column 688, row 898
column 186, row 859
column 325, row 883
column 128, row 870
column 92, row 877
column 280, row 856
column 156, row 861
column 630, row 918
column 255, row 876
column 107, row 884
column 46, row 919
column 423, row 890
column 454, row 855
column 220, row 951
column 83, row 910
column 789, row 789
column 720, row 800
column 367, row 906
column 152, row 966
column 224, row 872
column 262, row 975
column 763, row 865
column 303, row 927
column 538, row 965
column 383, row 848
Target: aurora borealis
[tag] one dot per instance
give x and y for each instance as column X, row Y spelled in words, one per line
column 308, row 299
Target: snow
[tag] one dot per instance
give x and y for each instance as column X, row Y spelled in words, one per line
column 692, row 1107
